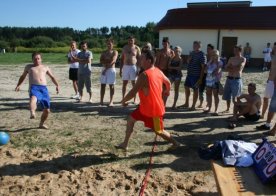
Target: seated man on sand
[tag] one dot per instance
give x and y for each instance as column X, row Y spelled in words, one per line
column 247, row 105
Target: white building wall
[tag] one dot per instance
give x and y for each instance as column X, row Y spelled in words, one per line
column 256, row 38
column 185, row 37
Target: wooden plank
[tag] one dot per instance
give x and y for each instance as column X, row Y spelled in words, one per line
column 239, row 181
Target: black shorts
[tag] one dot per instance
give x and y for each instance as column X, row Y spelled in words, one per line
column 73, row 74
column 252, row 117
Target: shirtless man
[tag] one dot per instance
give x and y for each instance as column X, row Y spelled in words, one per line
column 233, row 84
column 163, row 59
column 247, row 53
column 151, row 109
column 38, row 87
column 129, row 61
column 269, row 92
column 249, row 108
column 108, row 76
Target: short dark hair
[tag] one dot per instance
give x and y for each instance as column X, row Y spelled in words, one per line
column 110, row 40
column 197, row 42
column 131, row 37
column 83, row 42
column 239, row 47
column 252, row 85
column 149, row 55
column 36, row 53
column 211, row 46
column 165, row 39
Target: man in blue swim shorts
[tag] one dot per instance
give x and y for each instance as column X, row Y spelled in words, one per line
column 38, row 87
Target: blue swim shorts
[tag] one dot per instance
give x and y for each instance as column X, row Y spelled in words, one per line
column 42, row 95
column 191, row 81
column 232, row 88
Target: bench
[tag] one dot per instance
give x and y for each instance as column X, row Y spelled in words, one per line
column 239, row 181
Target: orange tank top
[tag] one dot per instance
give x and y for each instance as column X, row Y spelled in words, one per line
column 152, row 105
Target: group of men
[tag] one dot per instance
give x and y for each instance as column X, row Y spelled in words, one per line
column 149, row 74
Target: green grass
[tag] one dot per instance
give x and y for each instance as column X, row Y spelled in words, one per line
column 47, row 58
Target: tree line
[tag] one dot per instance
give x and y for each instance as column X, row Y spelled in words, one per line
column 52, row 37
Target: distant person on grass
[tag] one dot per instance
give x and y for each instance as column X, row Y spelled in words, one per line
column 108, row 75
column 129, row 62
column 74, row 66
column 151, row 109
column 233, row 84
column 247, row 53
column 38, row 87
column 84, row 58
column 247, row 105
column 267, row 57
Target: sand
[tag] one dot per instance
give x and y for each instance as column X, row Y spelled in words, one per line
column 76, row 155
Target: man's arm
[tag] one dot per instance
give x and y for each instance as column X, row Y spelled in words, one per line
column 141, row 82
column 49, row 73
column 21, row 79
column 167, row 84
column 122, row 61
column 138, row 57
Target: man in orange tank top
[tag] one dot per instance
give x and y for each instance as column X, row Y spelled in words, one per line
column 151, row 108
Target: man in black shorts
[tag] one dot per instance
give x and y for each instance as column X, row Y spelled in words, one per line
column 247, row 105
column 74, row 66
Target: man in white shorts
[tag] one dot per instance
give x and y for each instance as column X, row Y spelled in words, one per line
column 130, row 58
column 268, row 94
column 108, row 75
column 267, row 56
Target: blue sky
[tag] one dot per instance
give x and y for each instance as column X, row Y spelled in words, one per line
column 81, row 14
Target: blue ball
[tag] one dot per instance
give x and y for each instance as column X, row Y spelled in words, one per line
column 4, row 138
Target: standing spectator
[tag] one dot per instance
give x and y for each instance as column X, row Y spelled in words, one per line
column 247, row 53
column 163, row 59
column 84, row 58
column 269, row 93
column 195, row 72
column 129, row 60
column 233, row 84
column 108, row 76
column 175, row 73
column 202, row 87
column 73, row 68
column 214, row 73
column 267, row 57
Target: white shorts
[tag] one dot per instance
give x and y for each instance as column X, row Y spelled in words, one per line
column 267, row 59
column 269, row 89
column 129, row 72
column 109, row 77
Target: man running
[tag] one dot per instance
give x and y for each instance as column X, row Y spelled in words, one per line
column 151, row 109
column 38, row 87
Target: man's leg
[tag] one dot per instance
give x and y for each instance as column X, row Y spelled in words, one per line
column 266, row 126
column 195, row 98
column 129, row 130
column 112, row 91
column 167, row 136
column 44, row 117
column 102, row 93
column 208, row 99
column 133, row 83
column 265, row 106
column 176, row 92
column 33, row 101
column 80, row 86
column 75, row 86
column 187, row 96
column 124, row 87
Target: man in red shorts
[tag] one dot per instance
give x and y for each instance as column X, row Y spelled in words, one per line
column 151, row 108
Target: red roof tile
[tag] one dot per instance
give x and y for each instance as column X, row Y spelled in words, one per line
column 220, row 18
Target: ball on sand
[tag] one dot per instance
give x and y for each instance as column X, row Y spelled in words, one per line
column 4, row 138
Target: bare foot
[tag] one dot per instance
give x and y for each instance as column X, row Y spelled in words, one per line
column 43, row 127
column 225, row 111
column 121, row 147
column 90, row 101
column 183, row 106
column 32, row 116
column 199, row 106
column 192, row 109
column 110, row 104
